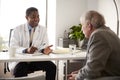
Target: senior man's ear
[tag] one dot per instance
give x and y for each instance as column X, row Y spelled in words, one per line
column 90, row 26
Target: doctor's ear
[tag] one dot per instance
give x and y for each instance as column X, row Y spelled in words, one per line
column 26, row 17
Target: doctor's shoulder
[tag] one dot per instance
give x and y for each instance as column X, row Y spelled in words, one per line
column 41, row 27
column 19, row 27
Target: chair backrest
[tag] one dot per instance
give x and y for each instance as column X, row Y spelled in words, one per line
column 6, row 68
column 10, row 36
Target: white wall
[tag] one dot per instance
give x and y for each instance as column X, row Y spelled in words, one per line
column 92, row 4
column 107, row 8
column 67, row 14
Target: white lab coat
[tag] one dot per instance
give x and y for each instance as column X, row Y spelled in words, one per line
column 21, row 39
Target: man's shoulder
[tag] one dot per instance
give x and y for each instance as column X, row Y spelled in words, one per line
column 20, row 27
column 41, row 27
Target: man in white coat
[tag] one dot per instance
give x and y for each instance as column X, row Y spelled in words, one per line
column 29, row 38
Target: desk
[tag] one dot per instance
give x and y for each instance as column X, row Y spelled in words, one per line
column 4, row 57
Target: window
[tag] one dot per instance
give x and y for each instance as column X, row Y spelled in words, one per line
column 12, row 13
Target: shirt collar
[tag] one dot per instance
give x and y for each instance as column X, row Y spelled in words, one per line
column 29, row 27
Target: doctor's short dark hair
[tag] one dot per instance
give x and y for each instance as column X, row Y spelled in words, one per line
column 29, row 10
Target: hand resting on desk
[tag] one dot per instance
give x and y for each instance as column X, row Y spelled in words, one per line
column 33, row 49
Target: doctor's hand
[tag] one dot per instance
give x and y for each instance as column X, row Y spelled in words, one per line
column 47, row 50
column 31, row 50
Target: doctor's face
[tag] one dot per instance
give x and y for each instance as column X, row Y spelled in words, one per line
column 33, row 18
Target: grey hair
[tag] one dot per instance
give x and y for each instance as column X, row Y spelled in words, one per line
column 93, row 17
